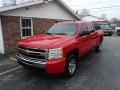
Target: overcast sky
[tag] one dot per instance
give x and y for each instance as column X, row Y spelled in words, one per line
column 111, row 12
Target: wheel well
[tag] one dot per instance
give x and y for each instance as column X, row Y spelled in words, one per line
column 74, row 51
column 101, row 39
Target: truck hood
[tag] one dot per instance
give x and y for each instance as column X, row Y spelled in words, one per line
column 45, row 41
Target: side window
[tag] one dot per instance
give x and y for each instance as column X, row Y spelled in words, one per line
column 83, row 28
column 90, row 27
column 97, row 26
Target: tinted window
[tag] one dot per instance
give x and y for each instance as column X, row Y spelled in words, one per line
column 83, row 28
column 90, row 27
column 105, row 27
column 63, row 29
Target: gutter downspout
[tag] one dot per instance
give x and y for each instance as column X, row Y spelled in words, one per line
column 2, row 49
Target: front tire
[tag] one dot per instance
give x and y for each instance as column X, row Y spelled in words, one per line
column 70, row 65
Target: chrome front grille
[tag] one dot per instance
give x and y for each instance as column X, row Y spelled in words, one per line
column 34, row 53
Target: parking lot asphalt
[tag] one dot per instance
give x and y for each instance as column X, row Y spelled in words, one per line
column 96, row 71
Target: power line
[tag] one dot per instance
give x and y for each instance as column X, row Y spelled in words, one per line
column 108, row 9
column 110, row 1
column 102, row 7
column 104, row 10
column 98, row 3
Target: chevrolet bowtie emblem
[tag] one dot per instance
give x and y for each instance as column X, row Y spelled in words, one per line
column 27, row 51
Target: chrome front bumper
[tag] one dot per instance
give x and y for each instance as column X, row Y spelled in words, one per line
column 30, row 62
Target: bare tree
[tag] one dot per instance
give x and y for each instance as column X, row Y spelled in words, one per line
column 13, row 2
column 6, row 3
column 9, row 2
column 84, row 12
column 104, row 16
column 115, row 21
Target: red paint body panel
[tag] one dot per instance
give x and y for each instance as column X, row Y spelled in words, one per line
column 83, row 43
column 55, row 66
column 45, row 41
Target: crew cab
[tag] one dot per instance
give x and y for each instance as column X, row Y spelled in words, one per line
column 60, row 47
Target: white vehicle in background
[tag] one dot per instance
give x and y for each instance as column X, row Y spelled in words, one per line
column 117, row 31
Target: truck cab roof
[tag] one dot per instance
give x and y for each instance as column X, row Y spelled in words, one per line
column 76, row 22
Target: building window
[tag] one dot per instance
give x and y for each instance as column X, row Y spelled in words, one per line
column 26, row 27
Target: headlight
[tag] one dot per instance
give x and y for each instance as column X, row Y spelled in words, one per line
column 55, row 53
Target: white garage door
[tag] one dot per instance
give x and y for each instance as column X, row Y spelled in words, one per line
column 1, row 40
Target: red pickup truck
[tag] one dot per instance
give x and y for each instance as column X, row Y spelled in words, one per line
column 59, row 49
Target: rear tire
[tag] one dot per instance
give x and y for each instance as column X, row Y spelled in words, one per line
column 71, row 65
column 98, row 48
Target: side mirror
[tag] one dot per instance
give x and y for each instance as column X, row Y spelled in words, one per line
column 44, row 32
column 92, row 31
column 85, row 33
column 97, row 27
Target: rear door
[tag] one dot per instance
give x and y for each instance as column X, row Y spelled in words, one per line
column 93, row 34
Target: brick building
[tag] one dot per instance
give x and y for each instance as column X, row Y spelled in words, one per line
column 28, row 19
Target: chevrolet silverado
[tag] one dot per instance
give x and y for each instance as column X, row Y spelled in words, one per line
column 60, row 47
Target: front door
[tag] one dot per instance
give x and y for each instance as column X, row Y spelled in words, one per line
column 84, row 41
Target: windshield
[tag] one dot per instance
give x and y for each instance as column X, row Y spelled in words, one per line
column 63, row 29
column 105, row 27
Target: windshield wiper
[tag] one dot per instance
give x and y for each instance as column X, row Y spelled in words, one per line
column 48, row 33
column 56, row 33
column 61, row 33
